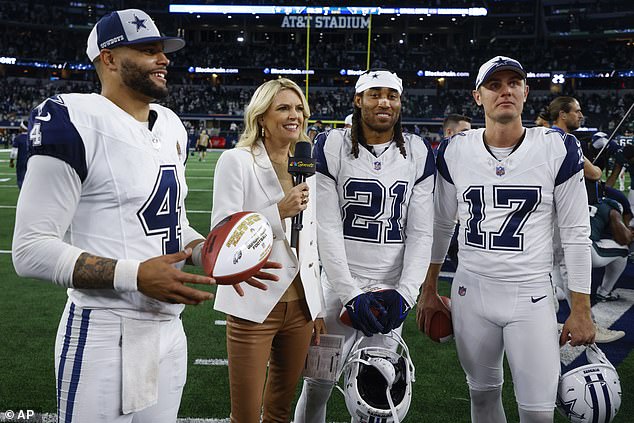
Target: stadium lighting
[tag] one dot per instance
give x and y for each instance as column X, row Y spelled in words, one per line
column 325, row 10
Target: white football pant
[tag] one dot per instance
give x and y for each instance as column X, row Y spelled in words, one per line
column 491, row 318
column 88, row 369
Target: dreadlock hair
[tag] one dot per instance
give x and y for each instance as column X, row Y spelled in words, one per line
column 356, row 133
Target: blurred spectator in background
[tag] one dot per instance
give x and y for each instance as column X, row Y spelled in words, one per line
column 455, row 123
column 202, row 144
column 19, row 153
column 542, row 119
column 315, row 129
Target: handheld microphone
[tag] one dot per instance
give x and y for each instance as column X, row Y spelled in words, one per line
column 301, row 166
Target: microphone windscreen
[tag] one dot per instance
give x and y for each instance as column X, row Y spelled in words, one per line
column 302, row 162
column 303, row 149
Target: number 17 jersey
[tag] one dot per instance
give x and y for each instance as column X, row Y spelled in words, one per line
column 506, row 208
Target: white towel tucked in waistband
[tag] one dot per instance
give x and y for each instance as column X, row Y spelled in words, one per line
column 140, row 352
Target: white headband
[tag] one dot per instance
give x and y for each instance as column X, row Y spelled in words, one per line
column 379, row 79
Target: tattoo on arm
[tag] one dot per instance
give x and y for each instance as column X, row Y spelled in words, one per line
column 92, row 272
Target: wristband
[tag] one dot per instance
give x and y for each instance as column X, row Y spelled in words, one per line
column 197, row 254
column 125, row 275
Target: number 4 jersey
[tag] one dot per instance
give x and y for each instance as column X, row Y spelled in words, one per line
column 507, row 208
column 125, row 193
column 374, row 213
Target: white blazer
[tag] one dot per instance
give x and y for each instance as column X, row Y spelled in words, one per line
column 246, row 181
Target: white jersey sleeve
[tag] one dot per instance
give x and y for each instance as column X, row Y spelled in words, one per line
column 38, row 249
column 571, row 201
column 330, row 242
column 446, row 207
column 419, row 230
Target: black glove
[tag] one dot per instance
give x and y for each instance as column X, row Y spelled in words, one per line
column 360, row 312
column 396, row 308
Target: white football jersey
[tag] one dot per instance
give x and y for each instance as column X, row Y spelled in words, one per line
column 132, row 199
column 375, row 213
column 506, row 208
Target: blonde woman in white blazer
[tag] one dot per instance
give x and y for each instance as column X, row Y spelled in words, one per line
column 274, row 326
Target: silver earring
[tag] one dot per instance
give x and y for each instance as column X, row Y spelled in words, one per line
column 262, row 131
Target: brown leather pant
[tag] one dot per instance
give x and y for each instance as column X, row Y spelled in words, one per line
column 282, row 340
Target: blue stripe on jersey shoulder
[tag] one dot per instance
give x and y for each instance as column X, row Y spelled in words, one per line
column 441, row 164
column 573, row 162
column 320, row 156
column 430, row 163
column 51, row 133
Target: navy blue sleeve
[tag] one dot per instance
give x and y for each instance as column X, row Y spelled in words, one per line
column 619, row 197
column 573, row 162
column 319, row 156
column 443, row 170
column 51, row 133
column 430, row 163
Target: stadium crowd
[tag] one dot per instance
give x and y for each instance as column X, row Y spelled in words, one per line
column 18, row 96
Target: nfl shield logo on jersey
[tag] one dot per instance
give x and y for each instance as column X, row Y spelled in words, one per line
column 377, row 165
column 499, row 170
column 462, row 291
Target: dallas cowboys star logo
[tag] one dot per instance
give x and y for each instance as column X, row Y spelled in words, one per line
column 140, row 23
column 568, row 407
column 375, row 76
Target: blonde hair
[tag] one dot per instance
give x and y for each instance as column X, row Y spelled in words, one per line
column 260, row 103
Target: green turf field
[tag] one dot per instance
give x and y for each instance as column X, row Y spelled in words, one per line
column 31, row 311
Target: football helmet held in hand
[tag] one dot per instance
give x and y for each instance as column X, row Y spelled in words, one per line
column 590, row 393
column 378, row 382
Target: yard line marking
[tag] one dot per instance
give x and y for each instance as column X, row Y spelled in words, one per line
column 5, row 179
column 200, row 190
column 211, row 362
column 7, row 207
column 5, row 251
column 220, row 322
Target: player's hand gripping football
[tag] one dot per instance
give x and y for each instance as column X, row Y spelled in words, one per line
column 396, row 309
column 362, row 316
column 158, row 278
column 429, row 303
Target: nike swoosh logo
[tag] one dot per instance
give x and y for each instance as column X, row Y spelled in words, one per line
column 534, row 300
column 45, row 118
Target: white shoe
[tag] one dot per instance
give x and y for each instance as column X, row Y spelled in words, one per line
column 605, row 335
